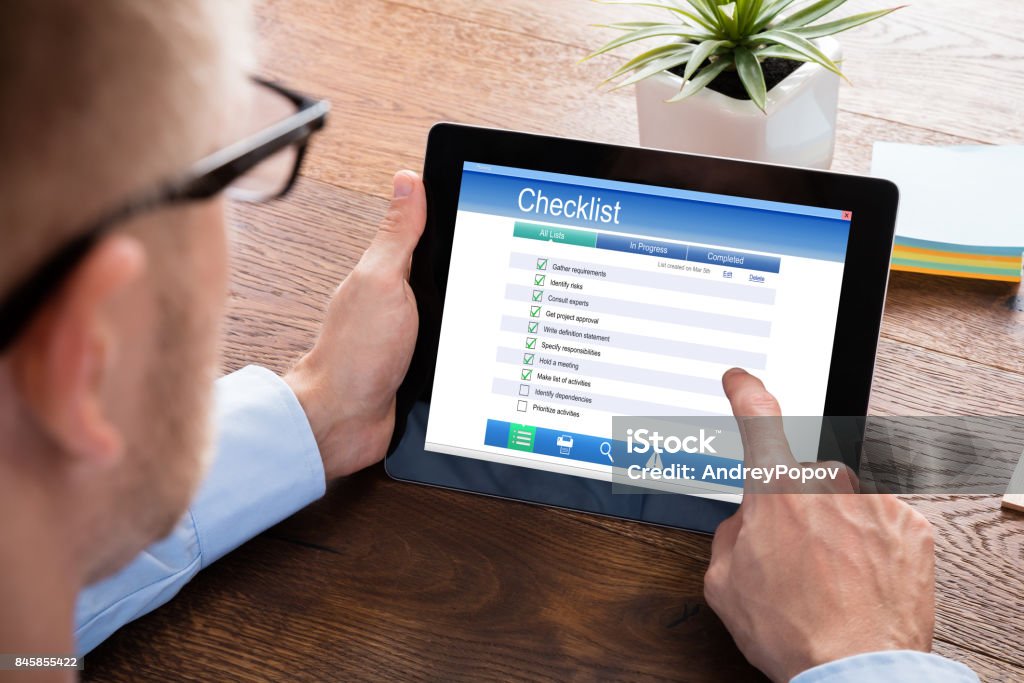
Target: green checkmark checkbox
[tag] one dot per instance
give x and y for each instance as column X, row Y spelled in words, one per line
column 534, row 311
column 526, row 374
column 531, row 342
column 532, row 328
column 542, row 264
column 538, row 280
column 537, row 294
column 527, row 359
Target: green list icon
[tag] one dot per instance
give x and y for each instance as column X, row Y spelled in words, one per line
column 520, row 437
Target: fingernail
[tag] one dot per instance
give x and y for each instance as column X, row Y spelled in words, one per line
column 733, row 371
column 403, row 184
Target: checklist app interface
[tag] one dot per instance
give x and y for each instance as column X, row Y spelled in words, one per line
column 571, row 300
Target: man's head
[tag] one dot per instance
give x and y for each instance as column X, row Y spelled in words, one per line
column 103, row 398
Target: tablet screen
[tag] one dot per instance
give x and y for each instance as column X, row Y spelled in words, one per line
column 571, row 300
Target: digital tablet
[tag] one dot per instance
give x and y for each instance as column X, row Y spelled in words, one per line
column 563, row 285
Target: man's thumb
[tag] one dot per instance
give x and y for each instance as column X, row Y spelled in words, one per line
column 403, row 224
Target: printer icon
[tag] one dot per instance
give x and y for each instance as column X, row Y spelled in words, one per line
column 564, row 443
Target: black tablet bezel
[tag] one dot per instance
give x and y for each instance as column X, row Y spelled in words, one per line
column 873, row 203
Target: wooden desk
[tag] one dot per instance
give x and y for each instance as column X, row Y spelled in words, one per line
column 381, row 580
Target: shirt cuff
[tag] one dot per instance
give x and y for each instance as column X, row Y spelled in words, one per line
column 892, row 665
column 268, row 465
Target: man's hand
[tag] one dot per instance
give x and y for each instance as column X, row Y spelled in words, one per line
column 347, row 382
column 801, row 579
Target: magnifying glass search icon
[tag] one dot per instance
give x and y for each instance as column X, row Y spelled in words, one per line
column 606, row 449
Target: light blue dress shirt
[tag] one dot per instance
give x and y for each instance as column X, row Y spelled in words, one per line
column 268, row 467
column 892, row 665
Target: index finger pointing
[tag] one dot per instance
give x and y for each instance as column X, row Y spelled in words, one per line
column 760, row 421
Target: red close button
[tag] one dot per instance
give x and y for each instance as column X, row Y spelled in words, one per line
column 847, row 215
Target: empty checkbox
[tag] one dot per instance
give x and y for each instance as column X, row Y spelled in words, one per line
column 524, row 389
column 522, row 407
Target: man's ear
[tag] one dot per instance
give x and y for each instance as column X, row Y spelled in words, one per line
column 60, row 362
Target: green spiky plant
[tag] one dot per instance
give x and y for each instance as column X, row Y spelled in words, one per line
column 712, row 36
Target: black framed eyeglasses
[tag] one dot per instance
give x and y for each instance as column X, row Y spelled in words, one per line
column 260, row 167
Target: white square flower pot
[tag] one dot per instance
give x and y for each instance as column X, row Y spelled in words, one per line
column 798, row 129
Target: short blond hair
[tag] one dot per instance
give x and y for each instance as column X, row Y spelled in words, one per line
column 103, row 98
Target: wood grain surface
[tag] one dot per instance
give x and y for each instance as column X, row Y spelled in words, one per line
column 386, row 581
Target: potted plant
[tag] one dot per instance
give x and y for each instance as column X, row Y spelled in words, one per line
column 754, row 79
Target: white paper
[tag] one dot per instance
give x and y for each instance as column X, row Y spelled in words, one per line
column 966, row 194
